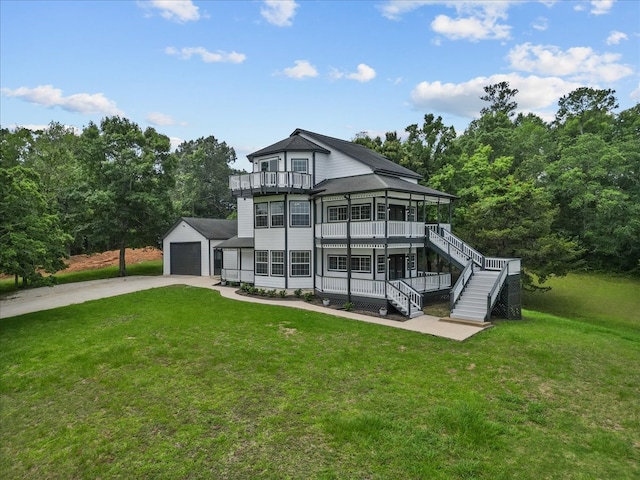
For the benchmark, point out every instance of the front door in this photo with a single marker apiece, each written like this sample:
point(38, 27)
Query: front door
point(397, 213)
point(396, 267)
point(217, 261)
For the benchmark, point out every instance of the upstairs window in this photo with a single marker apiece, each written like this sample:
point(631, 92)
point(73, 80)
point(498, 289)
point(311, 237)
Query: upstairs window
point(382, 211)
point(270, 165)
point(262, 215)
point(300, 214)
point(277, 214)
point(361, 212)
point(337, 214)
point(300, 165)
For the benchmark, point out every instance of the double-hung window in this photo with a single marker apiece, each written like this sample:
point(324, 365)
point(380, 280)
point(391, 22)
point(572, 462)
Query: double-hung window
point(411, 261)
point(277, 214)
point(300, 263)
point(361, 263)
point(262, 262)
point(262, 215)
point(381, 264)
point(277, 263)
point(338, 263)
point(382, 211)
point(300, 165)
point(337, 214)
point(300, 214)
point(361, 212)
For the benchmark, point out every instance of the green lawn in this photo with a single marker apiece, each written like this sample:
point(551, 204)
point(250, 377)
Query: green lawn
point(179, 383)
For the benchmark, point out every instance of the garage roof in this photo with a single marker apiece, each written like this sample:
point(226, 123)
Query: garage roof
point(210, 228)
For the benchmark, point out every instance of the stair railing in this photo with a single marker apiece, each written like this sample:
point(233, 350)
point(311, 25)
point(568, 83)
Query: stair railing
point(412, 296)
point(395, 295)
point(457, 289)
point(468, 252)
point(447, 247)
point(492, 296)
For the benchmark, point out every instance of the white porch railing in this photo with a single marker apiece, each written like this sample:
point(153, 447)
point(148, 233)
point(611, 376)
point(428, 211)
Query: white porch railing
point(359, 287)
point(404, 296)
point(235, 275)
point(430, 281)
point(258, 180)
point(374, 229)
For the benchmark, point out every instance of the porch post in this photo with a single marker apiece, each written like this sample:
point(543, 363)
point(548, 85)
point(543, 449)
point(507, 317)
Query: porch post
point(348, 197)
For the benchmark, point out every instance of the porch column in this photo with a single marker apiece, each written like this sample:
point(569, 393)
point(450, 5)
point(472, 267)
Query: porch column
point(348, 197)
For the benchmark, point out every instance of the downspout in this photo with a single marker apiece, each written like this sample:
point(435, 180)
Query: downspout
point(348, 197)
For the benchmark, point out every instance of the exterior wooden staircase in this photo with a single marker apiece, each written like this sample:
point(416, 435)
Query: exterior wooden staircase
point(478, 288)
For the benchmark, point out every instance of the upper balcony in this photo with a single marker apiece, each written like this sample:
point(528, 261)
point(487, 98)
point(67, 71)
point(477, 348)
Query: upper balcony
point(257, 183)
point(370, 230)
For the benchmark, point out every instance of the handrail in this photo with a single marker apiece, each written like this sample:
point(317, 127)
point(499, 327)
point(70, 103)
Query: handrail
point(469, 252)
point(492, 296)
point(456, 291)
point(445, 246)
point(394, 293)
point(415, 297)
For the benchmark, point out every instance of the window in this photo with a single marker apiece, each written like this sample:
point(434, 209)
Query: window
point(381, 264)
point(361, 263)
point(338, 263)
point(300, 165)
point(411, 214)
point(262, 212)
point(411, 261)
point(277, 263)
point(361, 212)
point(277, 214)
point(337, 214)
point(300, 214)
point(382, 211)
point(262, 262)
point(300, 263)
point(270, 165)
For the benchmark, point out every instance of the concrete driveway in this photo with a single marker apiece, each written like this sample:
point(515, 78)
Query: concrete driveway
point(45, 298)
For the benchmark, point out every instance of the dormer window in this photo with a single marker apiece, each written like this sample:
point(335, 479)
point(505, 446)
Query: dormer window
point(300, 165)
point(269, 165)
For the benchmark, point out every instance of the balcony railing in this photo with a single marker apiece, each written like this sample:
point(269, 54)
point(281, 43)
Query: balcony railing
point(378, 229)
point(269, 182)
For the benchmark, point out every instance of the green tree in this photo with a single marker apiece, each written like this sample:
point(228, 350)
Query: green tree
point(501, 98)
point(501, 215)
point(430, 146)
point(129, 175)
point(586, 110)
point(31, 239)
point(202, 178)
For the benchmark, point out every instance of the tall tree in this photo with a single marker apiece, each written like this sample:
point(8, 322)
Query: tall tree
point(202, 178)
point(31, 239)
point(586, 110)
point(501, 99)
point(429, 146)
point(129, 174)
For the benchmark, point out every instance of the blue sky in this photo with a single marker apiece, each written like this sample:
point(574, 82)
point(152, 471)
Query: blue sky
point(250, 72)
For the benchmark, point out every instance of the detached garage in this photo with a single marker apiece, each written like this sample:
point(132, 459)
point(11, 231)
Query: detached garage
point(189, 247)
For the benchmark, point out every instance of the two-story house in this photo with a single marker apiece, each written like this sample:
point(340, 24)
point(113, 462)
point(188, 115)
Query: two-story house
point(331, 216)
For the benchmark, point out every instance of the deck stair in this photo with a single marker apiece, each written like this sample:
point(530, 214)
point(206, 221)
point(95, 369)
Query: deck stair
point(404, 298)
point(472, 304)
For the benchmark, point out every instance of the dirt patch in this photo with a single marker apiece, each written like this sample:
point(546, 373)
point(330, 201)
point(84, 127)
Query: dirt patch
point(79, 263)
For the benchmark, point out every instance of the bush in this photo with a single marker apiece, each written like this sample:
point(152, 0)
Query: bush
point(283, 293)
point(348, 306)
point(308, 296)
point(298, 292)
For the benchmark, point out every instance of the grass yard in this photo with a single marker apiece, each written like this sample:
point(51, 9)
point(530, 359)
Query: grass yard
point(179, 383)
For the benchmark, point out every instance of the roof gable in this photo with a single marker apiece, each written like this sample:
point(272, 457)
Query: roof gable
point(377, 162)
point(210, 228)
point(291, 144)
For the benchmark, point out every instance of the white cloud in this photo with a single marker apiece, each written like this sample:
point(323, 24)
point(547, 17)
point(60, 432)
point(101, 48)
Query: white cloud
point(635, 95)
point(600, 7)
point(279, 12)
point(577, 63)
point(475, 20)
point(536, 94)
point(301, 70)
point(615, 37)
point(364, 74)
point(175, 143)
point(48, 96)
point(540, 23)
point(180, 11)
point(206, 56)
point(161, 119)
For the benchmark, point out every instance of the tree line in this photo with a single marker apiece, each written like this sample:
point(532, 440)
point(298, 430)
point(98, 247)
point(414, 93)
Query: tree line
point(112, 186)
point(562, 195)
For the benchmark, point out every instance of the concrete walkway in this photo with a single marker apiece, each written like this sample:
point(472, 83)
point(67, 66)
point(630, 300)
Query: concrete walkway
point(45, 298)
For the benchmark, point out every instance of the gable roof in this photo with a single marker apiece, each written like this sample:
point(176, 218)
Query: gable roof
point(210, 228)
point(291, 144)
point(372, 182)
point(377, 162)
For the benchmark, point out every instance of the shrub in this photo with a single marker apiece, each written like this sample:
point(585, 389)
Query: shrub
point(308, 296)
point(348, 306)
point(272, 293)
point(283, 293)
point(298, 292)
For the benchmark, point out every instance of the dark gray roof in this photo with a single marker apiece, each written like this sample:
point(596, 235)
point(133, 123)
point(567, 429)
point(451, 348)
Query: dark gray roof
point(235, 242)
point(372, 183)
point(210, 228)
point(291, 144)
point(377, 162)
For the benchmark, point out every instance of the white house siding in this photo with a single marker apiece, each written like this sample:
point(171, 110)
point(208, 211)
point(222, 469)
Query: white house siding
point(230, 259)
point(245, 217)
point(183, 233)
